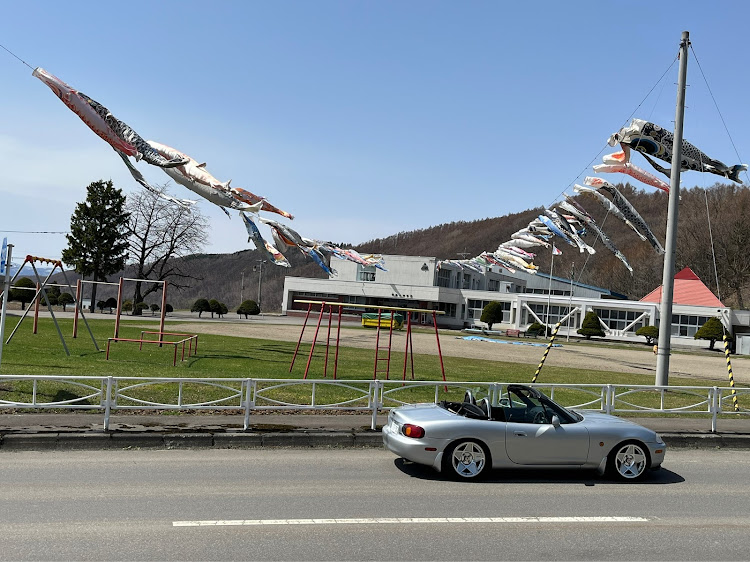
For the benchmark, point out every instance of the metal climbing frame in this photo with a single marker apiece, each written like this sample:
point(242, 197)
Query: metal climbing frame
point(382, 353)
point(41, 291)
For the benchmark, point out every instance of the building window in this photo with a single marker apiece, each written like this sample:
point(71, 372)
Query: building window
point(448, 307)
point(556, 313)
point(476, 307)
point(467, 281)
point(365, 272)
point(620, 319)
point(685, 325)
point(444, 278)
point(493, 285)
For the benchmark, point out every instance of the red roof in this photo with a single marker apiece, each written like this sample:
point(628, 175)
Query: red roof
point(688, 290)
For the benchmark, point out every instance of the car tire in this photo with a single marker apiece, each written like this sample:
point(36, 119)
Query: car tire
point(467, 459)
point(628, 461)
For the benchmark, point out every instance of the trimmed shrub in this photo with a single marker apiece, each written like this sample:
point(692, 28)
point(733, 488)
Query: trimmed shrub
point(492, 314)
point(591, 326)
point(712, 330)
point(651, 333)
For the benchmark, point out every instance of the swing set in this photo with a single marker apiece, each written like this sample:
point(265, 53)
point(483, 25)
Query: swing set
point(382, 351)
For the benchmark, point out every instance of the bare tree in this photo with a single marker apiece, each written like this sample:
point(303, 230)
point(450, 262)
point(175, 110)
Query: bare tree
point(160, 231)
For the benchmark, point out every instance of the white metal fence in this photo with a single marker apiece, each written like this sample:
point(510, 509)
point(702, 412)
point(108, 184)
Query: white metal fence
point(244, 396)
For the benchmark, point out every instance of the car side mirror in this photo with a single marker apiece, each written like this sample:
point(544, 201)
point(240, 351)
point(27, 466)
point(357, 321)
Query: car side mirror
point(556, 421)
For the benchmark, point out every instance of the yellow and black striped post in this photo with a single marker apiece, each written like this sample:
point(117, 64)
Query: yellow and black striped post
point(546, 351)
point(731, 376)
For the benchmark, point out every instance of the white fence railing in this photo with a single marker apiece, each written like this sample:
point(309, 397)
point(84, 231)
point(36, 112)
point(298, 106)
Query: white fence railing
point(368, 396)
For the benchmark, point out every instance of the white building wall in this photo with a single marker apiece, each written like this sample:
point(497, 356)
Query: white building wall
point(411, 281)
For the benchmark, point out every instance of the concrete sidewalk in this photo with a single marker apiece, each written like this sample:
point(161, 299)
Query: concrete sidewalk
point(85, 431)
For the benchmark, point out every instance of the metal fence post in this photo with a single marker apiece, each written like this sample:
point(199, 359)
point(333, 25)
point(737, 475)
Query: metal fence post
point(108, 404)
point(715, 406)
point(375, 390)
point(249, 385)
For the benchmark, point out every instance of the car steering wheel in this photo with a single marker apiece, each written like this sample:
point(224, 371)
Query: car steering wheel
point(540, 417)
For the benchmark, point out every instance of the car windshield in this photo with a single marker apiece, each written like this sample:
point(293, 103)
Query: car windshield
point(526, 406)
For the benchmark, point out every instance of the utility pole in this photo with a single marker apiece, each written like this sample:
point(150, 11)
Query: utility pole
point(667, 283)
point(260, 278)
point(6, 294)
point(570, 299)
point(242, 286)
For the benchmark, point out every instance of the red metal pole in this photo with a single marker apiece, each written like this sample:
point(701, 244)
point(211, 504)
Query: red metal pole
point(36, 307)
point(377, 348)
point(406, 349)
point(304, 325)
point(109, 341)
point(338, 336)
point(163, 308)
point(411, 354)
point(440, 353)
point(315, 339)
point(390, 340)
point(75, 312)
point(119, 308)
point(328, 340)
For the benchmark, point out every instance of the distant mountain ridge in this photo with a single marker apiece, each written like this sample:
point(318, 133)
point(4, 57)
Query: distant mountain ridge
point(220, 276)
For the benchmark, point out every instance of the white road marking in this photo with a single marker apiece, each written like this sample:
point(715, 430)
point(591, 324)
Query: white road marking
point(406, 520)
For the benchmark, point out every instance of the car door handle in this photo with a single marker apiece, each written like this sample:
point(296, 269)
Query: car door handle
point(520, 433)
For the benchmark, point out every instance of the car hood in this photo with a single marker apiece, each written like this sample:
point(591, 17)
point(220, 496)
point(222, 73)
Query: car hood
point(596, 417)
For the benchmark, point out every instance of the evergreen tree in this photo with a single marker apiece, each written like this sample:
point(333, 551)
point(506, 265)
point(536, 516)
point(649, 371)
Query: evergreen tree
point(200, 306)
point(97, 243)
point(214, 306)
point(65, 299)
point(492, 314)
point(22, 293)
point(712, 330)
point(248, 307)
point(651, 333)
point(591, 326)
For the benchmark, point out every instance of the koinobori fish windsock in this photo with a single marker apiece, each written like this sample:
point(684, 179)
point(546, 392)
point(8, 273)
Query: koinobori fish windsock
point(260, 243)
point(617, 163)
point(557, 230)
point(627, 209)
point(570, 231)
point(653, 140)
point(197, 179)
point(100, 120)
point(575, 209)
point(607, 204)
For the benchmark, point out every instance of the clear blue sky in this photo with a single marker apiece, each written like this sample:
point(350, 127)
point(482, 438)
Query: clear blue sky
point(361, 118)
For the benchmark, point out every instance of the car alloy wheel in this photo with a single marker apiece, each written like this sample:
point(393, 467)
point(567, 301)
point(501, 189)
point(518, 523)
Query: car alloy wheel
point(629, 461)
point(468, 459)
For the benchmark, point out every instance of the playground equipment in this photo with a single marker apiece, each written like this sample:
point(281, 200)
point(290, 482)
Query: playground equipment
point(382, 353)
point(41, 291)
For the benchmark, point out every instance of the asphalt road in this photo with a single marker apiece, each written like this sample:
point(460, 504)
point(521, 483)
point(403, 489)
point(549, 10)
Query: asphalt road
point(292, 504)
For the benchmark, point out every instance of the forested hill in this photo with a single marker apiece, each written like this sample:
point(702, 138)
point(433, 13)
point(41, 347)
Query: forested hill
point(220, 276)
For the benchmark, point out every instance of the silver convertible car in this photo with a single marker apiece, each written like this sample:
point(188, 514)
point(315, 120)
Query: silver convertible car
point(526, 430)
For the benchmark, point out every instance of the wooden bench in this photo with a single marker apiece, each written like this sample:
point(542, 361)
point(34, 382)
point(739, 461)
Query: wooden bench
point(515, 333)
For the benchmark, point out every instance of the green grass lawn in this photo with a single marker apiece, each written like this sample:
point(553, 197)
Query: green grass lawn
point(242, 358)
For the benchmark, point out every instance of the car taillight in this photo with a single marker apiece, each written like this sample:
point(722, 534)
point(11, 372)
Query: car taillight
point(411, 430)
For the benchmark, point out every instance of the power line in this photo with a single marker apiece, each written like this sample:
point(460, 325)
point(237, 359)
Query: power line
point(35, 232)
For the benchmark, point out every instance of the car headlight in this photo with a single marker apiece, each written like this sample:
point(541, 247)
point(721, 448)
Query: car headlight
point(658, 438)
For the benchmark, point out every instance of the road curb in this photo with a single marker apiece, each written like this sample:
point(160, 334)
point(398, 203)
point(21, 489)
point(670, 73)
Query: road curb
point(91, 441)
point(706, 441)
